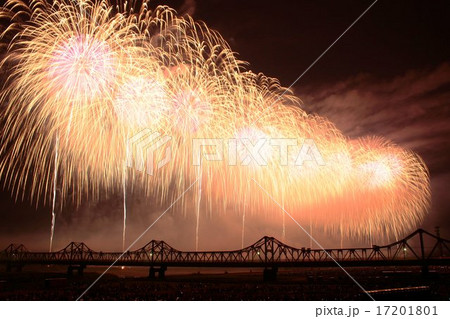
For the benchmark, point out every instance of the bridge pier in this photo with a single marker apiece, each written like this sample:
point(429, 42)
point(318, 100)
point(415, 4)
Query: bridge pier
point(11, 266)
point(270, 273)
point(78, 268)
point(160, 270)
point(424, 269)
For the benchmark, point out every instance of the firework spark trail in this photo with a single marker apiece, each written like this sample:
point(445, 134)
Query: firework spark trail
point(124, 193)
point(55, 181)
point(283, 233)
point(243, 228)
point(244, 210)
point(102, 73)
point(197, 220)
point(124, 229)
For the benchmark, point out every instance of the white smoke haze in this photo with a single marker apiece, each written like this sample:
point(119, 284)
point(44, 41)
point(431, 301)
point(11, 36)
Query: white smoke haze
point(188, 7)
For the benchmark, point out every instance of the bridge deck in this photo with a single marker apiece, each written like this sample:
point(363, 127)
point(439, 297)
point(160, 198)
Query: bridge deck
point(266, 252)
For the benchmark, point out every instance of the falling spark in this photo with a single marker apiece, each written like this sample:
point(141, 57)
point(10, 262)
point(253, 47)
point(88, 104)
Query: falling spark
point(124, 230)
point(197, 221)
point(55, 180)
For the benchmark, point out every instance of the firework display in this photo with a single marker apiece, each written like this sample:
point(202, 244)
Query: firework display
point(83, 79)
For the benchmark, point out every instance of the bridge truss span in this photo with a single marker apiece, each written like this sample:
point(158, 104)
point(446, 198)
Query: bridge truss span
point(419, 248)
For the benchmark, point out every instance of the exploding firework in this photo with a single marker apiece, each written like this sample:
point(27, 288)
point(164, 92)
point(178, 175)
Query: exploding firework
point(84, 79)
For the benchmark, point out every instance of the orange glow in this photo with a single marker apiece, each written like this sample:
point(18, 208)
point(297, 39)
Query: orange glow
point(91, 78)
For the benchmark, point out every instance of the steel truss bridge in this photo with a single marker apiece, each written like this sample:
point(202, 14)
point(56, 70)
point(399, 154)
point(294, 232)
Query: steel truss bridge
point(420, 248)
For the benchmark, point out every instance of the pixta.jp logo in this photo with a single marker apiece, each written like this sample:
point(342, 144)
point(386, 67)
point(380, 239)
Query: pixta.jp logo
point(148, 151)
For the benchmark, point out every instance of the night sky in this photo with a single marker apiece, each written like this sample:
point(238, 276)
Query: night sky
point(389, 76)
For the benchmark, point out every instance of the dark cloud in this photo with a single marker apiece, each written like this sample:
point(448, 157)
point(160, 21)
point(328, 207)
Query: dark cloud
point(412, 110)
